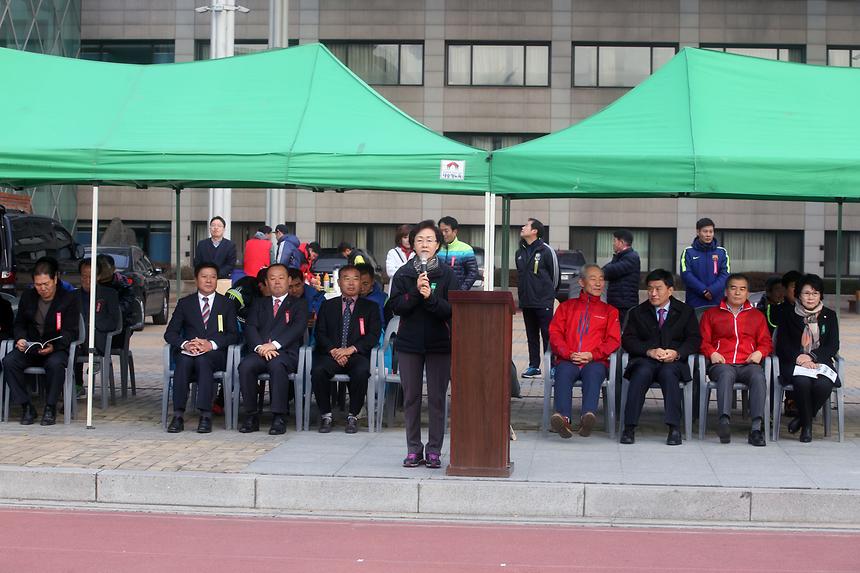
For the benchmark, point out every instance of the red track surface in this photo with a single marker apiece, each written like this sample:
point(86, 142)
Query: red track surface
point(67, 540)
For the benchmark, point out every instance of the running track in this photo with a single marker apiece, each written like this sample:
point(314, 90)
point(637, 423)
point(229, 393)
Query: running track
point(76, 540)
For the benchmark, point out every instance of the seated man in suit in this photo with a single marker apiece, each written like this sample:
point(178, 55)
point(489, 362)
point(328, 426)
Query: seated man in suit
point(347, 329)
point(201, 329)
point(659, 336)
point(107, 312)
point(735, 340)
point(274, 332)
point(50, 316)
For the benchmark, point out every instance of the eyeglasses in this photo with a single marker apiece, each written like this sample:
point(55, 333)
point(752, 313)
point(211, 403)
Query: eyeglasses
point(809, 293)
point(423, 241)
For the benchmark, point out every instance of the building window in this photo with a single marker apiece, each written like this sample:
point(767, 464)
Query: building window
point(843, 57)
point(491, 141)
point(203, 49)
point(656, 247)
point(153, 237)
point(763, 251)
point(850, 253)
point(781, 53)
point(129, 52)
point(384, 64)
point(618, 66)
point(498, 64)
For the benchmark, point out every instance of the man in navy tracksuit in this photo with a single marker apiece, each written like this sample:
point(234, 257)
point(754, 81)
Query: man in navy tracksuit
point(538, 278)
point(705, 267)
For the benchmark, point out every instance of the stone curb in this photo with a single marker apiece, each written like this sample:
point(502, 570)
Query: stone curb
point(461, 497)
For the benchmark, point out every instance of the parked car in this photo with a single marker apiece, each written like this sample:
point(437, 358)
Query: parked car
point(24, 238)
point(150, 285)
point(331, 259)
point(569, 263)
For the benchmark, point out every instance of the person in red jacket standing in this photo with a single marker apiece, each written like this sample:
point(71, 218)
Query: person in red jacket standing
point(258, 251)
point(582, 335)
point(736, 340)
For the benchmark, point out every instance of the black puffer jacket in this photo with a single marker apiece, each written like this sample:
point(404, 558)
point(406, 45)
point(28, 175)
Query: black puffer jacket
point(425, 324)
point(537, 275)
point(622, 272)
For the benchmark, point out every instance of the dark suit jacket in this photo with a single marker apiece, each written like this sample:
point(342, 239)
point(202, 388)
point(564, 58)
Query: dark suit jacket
point(65, 306)
point(288, 328)
point(107, 312)
point(224, 256)
point(187, 322)
point(7, 319)
point(680, 332)
point(329, 327)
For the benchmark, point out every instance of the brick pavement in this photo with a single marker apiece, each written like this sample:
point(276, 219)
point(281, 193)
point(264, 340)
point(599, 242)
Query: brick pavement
point(128, 435)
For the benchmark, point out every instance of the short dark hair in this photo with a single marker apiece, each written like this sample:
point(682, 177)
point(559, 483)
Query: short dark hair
point(772, 282)
point(791, 277)
point(106, 259)
point(538, 226)
point(293, 274)
point(737, 277)
point(426, 224)
point(365, 269)
point(705, 222)
point(812, 280)
point(348, 268)
point(315, 247)
point(661, 275)
point(261, 274)
point(265, 229)
point(624, 235)
point(85, 263)
point(402, 231)
point(46, 266)
point(270, 267)
point(450, 221)
point(344, 245)
point(218, 218)
point(205, 265)
point(281, 229)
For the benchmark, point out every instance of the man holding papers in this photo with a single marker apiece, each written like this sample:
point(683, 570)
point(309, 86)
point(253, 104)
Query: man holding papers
point(203, 325)
point(807, 341)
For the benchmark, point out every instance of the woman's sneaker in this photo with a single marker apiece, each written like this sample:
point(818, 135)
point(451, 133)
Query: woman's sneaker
point(413, 460)
point(434, 461)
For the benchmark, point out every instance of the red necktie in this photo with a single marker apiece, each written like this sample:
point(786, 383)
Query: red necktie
point(276, 306)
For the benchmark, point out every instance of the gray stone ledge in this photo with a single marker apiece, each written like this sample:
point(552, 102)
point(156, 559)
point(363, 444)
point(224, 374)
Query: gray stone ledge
point(806, 506)
point(384, 495)
point(53, 484)
point(176, 488)
point(667, 502)
point(502, 498)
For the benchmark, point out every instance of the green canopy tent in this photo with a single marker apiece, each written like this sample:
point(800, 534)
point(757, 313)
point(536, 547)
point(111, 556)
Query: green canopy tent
point(707, 124)
point(283, 118)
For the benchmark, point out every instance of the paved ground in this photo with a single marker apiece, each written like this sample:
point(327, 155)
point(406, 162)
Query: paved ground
point(111, 541)
point(128, 436)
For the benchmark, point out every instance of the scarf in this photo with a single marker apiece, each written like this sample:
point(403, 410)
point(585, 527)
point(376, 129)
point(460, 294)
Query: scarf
point(432, 264)
point(406, 253)
point(810, 339)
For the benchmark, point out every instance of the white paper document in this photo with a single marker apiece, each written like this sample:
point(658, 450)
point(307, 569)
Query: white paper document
point(815, 372)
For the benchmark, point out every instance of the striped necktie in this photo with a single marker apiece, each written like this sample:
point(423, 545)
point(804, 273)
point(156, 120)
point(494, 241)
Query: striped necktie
point(276, 306)
point(661, 318)
point(205, 311)
point(347, 316)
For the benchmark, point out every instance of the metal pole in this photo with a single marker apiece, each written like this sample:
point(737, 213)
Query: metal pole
point(506, 242)
point(177, 260)
point(92, 314)
point(838, 257)
point(276, 199)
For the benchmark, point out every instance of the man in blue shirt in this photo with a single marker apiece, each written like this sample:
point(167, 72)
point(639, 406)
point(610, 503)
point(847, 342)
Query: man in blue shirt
point(705, 266)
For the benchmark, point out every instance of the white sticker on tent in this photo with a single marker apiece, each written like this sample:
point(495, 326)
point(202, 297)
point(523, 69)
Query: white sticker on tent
point(451, 170)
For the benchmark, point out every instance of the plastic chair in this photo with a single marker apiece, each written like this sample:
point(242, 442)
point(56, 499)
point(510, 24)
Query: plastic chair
point(5, 347)
point(68, 382)
point(608, 387)
point(105, 366)
point(126, 360)
point(840, 401)
point(224, 376)
point(706, 385)
point(687, 387)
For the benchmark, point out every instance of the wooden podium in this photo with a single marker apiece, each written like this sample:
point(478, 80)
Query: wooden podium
point(480, 383)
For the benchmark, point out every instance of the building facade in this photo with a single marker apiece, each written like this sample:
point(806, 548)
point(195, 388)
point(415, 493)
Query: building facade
point(494, 73)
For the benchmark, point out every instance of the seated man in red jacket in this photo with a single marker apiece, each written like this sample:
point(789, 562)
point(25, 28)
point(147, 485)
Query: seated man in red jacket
point(582, 335)
point(735, 340)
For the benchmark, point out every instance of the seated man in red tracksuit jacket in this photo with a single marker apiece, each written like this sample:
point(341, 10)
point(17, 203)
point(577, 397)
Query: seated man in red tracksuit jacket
point(735, 340)
point(582, 335)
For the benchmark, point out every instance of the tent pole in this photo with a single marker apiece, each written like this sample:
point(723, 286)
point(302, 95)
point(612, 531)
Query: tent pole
point(506, 242)
point(487, 230)
point(838, 257)
point(91, 327)
point(176, 249)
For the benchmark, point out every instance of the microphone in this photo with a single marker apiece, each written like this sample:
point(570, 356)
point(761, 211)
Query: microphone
point(423, 264)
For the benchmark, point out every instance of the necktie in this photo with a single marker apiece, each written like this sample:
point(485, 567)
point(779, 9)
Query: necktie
point(205, 311)
point(347, 316)
point(276, 306)
point(661, 317)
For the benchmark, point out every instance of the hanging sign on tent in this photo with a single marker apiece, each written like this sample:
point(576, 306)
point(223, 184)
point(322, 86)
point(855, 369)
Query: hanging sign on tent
point(451, 170)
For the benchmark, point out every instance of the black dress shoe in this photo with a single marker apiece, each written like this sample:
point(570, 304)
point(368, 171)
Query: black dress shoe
point(628, 436)
point(806, 434)
point(279, 426)
point(250, 424)
point(794, 426)
point(756, 438)
point(28, 414)
point(325, 425)
point(351, 425)
point(674, 437)
point(204, 426)
point(724, 431)
point(177, 424)
point(49, 418)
